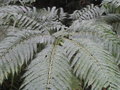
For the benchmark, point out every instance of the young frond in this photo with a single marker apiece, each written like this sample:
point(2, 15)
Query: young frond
point(49, 71)
point(17, 49)
point(92, 64)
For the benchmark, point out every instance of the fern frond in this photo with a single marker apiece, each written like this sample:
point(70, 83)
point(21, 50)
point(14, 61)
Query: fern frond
point(44, 23)
point(52, 18)
point(3, 32)
point(111, 6)
point(17, 9)
point(114, 20)
point(22, 21)
point(101, 33)
point(111, 18)
point(92, 64)
point(17, 49)
point(89, 12)
point(52, 14)
point(14, 1)
point(50, 70)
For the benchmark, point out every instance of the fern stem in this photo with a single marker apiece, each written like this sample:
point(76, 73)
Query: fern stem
point(50, 68)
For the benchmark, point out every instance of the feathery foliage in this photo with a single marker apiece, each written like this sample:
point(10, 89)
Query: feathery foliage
point(37, 43)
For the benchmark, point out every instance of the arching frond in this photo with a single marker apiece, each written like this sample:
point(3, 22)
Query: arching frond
point(50, 70)
point(5, 30)
point(92, 64)
point(17, 49)
point(31, 12)
point(47, 21)
point(17, 9)
point(52, 18)
point(113, 20)
point(89, 12)
point(101, 33)
point(53, 50)
point(21, 21)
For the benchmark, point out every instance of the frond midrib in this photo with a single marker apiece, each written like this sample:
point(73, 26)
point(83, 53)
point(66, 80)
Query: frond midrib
point(107, 72)
point(87, 52)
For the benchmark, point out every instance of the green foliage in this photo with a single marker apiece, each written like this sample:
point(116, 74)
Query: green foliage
point(59, 57)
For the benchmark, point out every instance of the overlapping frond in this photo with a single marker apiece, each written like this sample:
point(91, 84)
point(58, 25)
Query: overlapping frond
point(114, 21)
point(112, 9)
point(21, 21)
point(89, 12)
point(17, 49)
point(49, 71)
point(24, 17)
point(92, 64)
point(52, 18)
point(17, 9)
point(52, 14)
point(14, 1)
point(111, 18)
point(101, 33)
point(3, 32)
point(111, 6)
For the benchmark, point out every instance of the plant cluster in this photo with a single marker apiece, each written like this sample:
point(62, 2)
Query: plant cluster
point(37, 47)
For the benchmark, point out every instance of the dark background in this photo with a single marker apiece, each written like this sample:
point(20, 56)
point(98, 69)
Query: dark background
point(68, 5)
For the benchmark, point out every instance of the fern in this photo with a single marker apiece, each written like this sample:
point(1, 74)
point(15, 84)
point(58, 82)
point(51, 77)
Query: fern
point(87, 13)
point(92, 64)
point(54, 71)
point(111, 6)
point(17, 49)
point(18, 18)
point(113, 19)
point(18, 9)
point(14, 1)
point(54, 56)
point(100, 33)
